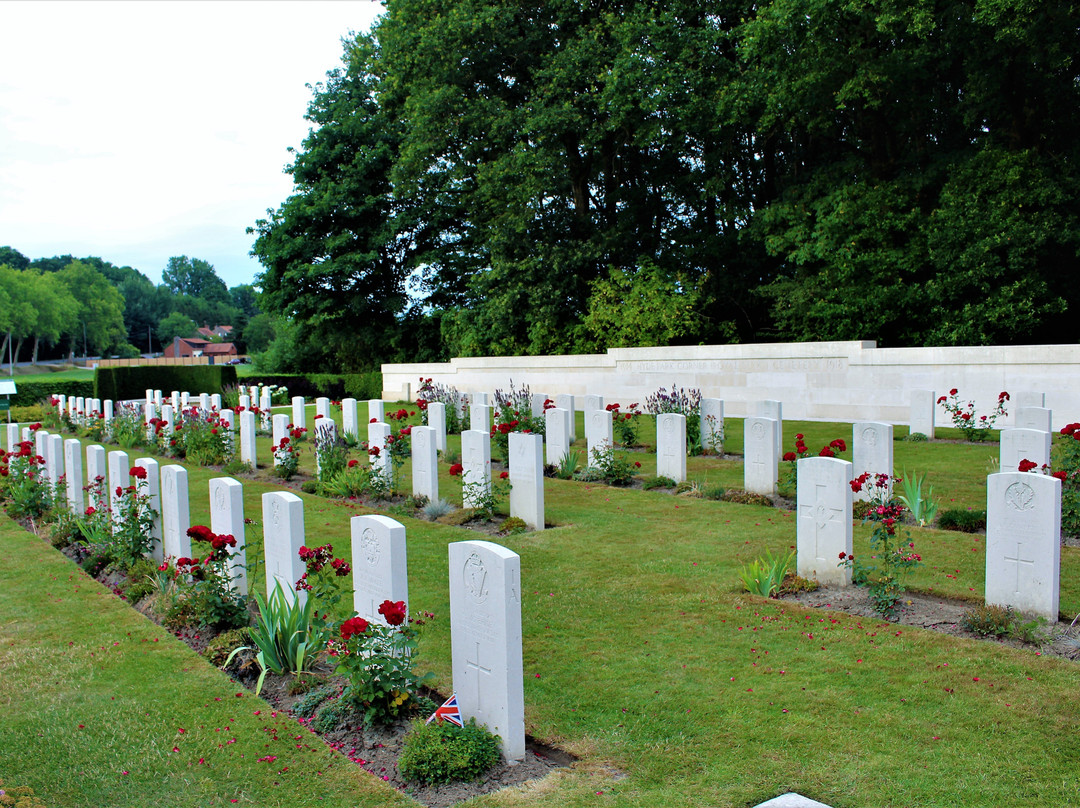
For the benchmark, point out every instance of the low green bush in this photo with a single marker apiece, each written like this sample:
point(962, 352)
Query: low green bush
point(132, 382)
point(988, 621)
point(443, 753)
point(963, 520)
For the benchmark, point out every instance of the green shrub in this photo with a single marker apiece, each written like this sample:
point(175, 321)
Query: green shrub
point(916, 437)
point(658, 482)
point(330, 715)
point(714, 491)
point(306, 706)
point(740, 497)
point(32, 393)
point(962, 520)
point(793, 584)
point(443, 753)
point(133, 382)
point(988, 621)
point(763, 576)
point(512, 526)
point(140, 580)
point(219, 649)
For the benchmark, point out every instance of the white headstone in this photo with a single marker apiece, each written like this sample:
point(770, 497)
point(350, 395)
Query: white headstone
point(565, 401)
point(281, 430)
point(41, 437)
point(350, 425)
point(1023, 444)
point(119, 479)
point(227, 517)
point(380, 566)
point(299, 412)
point(475, 465)
point(151, 487)
point(1034, 418)
point(590, 403)
point(247, 437)
point(1028, 399)
point(712, 423)
point(158, 398)
point(175, 512)
point(54, 460)
point(1023, 542)
point(109, 410)
point(599, 432)
point(283, 536)
point(436, 418)
point(73, 466)
point(381, 462)
point(376, 410)
point(265, 408)
point(185, 400)
point(14, 437)
point(671, 446)
point(228, 421)
point(215, 401)
point(871, 451)
point(759, 455)
point(771, 408)
point(174, 397)
point(823, 526)
point(557, 434)
point(527, 478)
point(97, 476)
point(169, 417)
point(425, 478)
point(244, 401)
point(480, 417)
point(485, 631)
point(536, 404)
point(322, 407)
point(477, 398)
point(204, 402)
point(923, 412)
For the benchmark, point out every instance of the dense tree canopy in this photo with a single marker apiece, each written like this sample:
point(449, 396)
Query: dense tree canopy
point(497, 177)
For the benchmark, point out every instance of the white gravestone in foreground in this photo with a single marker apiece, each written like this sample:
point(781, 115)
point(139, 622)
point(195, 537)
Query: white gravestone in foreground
point(712, 423)
point(923, 413)
point(485, 630)
point(871, 451)
point(527, 478)
point(436, 418)
point(557, 433)
point(14, 437)
point(283, 536)
point(227, 518)
point(599, 433)
point(759, 456)
point(151, 486)
point(671, 446)
point(350, 424)
point(175, 512)
point(475, 466)
point(1034, 418)
point(1023, 444)
point(565, 401)
point(823, 522)
point(73, 474)
point(425, 478)
point(380, 566)
point(771, 408)
point(1023, 542)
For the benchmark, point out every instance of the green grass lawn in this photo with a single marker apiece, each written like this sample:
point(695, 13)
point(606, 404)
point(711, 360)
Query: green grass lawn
point(641, 656)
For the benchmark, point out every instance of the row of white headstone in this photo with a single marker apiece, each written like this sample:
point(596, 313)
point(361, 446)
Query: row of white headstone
point(1023, 533)
point(485, 590)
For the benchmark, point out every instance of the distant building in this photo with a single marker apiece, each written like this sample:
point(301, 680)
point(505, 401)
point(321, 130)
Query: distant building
point(192, 346)
point(219, 331)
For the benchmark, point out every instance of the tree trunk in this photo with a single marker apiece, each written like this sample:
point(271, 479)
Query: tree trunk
point(3, 351)
point(33, 358)
point(18, 348)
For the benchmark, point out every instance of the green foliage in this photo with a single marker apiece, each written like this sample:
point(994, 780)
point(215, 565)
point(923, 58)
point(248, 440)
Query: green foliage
point(923, 508)
point(444, 753)
point(613, 469)
point(741, 497)
point(764, 576)
point(176, 324)
point(331, 714)
point(658, 482)
point(433, 510)
point(219, 650)
point(973, 426)
point(306, 706)
point(1066, 461)
point(988, 620)
point(132, 382)
point(30, 393)
point(916, 437)
point(568, 465)
point(513, 526)
point(962, 519)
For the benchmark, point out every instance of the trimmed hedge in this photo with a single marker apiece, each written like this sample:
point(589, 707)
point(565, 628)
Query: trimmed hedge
point(31, 392)
point(133, 382)
point(361, 386)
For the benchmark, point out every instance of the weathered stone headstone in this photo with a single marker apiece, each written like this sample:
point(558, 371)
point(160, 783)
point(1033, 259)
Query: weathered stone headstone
point(247, 437)
point(712, 424)
point(923, 413)
point(485, 632)
point(175, 512)
point(1039, 418)
point(565, 401)
point(475, 466)
point(436, 418)
point(376, 409)
point(599, 432)
point(281, 430)
point(227, 517)
point(283, 536)
point(557, 433)
point(119, 479)
point(823, 525)
point(382, 462)
point(872, 451)
point(759, 456)
point(671, 446)
point(73, 468)
point(299, 412)
point(1023, 542)
point(425, 479)
point(480, 417)
point(151, 487)
point(1023, 444)
point(350, 424)
point(97, 476)
point(771, 408)
point(380, 566)
point(527, 478)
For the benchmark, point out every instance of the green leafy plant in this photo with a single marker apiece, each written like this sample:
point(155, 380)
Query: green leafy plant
point(658, 482)
point(987, 620)
point(685, 402)
point(286, 459)
point(788, 486)
point(916, 437)
point(612, 468)
point(624, 424)
point(357, 480)
point(974, 427)
point(443, 752)
point(568, 465)
point(714, 443)
point(764, 576)
point(923, 508)
point(206, 595)
point(481, 495)
point(513, 526)
point(964, 520)
point(331, 451)
point(1067, 465)
point(23, 483)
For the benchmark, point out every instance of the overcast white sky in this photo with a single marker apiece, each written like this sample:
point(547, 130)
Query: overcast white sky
point(136, 131)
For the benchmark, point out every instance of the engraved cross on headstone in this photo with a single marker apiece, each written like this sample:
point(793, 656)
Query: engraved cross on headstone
point(821, 515)
point(479, 670)
point(1017, 560)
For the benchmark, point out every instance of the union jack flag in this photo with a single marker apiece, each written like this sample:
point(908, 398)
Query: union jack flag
point(448, 712)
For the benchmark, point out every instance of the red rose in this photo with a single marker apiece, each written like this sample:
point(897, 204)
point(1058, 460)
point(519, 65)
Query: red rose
point(1061, 475)
point(393, 612)
point(839, 445)
point(790, 456)
point(826, 452)
point(1003, 396)
point(352, 626)
point(119, 490)
point(455, 470)
point(952, 392)
point(353, 463)
point(138, 472)
point(1027, 465)
point(373, 451)
point(374, 421)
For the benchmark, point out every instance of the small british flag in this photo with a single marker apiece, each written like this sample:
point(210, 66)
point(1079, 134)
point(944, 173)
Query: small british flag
point(448, 712)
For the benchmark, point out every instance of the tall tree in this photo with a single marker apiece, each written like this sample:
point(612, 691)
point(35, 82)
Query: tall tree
point(194, 277)
point(23, 313)
point(57, 309)
point(100, 308)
